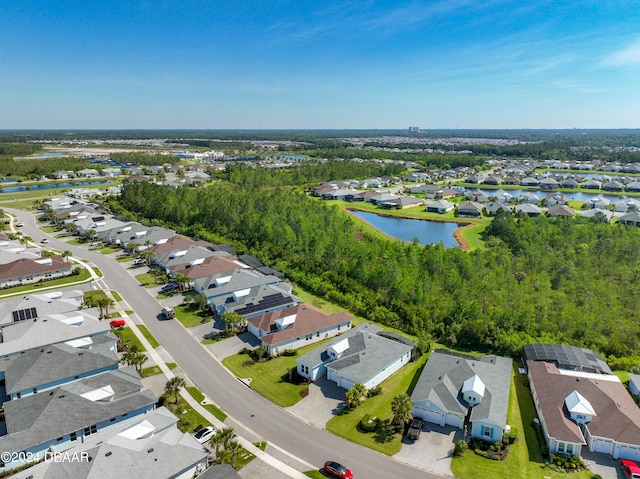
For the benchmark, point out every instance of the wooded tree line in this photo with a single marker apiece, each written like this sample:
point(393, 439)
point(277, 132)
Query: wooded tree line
point(569, 281)
point(244, 174)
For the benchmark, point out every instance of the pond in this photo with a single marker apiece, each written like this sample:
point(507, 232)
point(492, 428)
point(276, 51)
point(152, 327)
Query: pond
point(405, 229)
point(48, 186)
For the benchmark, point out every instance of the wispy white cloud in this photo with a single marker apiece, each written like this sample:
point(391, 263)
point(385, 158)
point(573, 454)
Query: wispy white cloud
point(626, 56)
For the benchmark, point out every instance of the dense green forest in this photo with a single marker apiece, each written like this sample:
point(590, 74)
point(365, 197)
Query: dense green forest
point(36, 167)
point(571, 281)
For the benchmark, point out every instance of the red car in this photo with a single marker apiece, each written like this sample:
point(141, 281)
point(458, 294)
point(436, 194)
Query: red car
point(337, 470)
point(630, 469)
point(117, 323)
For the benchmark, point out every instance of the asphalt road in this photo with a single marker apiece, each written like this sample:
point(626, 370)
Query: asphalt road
point(241, 403)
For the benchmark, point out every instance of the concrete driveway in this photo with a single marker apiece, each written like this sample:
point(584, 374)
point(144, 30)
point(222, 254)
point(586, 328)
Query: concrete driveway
point(433, 451)
point(325, 400)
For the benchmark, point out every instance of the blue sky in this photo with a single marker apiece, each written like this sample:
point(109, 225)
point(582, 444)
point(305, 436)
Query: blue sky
point(309, 64)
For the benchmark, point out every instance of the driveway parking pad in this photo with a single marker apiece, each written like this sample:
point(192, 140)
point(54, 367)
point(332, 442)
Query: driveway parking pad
point(434, 449)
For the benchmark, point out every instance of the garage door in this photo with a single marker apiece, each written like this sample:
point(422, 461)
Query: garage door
point(605, 447)
point(345, 383)
point(453, 420)
point(629, 452)
point(428, 415)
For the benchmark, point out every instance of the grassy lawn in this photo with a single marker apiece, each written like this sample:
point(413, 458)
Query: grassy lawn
point(109, 249)
point(116, 296)
point(525, 458)
point(189, 420)
point(269, 378)
point(145, 332)
point(96, 295)
point(383, 440)
point(129, 338)
point(36, 287)
point(148, 280)
point(151, 371)
point(77, 242)
point(212, 408)
point(315, 474)
point(191, 316)
point(124, 258)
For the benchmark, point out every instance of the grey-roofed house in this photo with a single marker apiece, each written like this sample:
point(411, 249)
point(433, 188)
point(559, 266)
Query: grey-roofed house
point(40, 370)
point(634, 186)
point(528, 209)
point(528, 197)
point(189, 255)
point(296, 326)
point(591, 185)
point(360, 355)
point(147, 447)
point(580, 409)
point(596, 213)
point(632, 218)
point(454, 386)
point(548, 184)
point(63, 417)
point(612, 186)
point(259, 300)
point(529, 181)
point(219, 471)
point(494, 206)
point(569, 183)
point(470, 208)
point(560, 210)
point(227, 287)
point(338, 194)
point(402, 202)
point(34, 321)
point(440, 206)
point(432, 191)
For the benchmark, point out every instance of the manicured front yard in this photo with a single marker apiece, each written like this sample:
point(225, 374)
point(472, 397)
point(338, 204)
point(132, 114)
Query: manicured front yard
point(129, 339)
point(525, 457)
point(269, 378)
point(34, 287)
point(382, 440)
point(190, 316)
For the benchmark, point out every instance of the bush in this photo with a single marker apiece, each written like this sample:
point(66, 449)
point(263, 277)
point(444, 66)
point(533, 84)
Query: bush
point(510, 437)
point(244, 350)
point(368, 423)
point(290, 352)
point(460, 448)
point(374, 391)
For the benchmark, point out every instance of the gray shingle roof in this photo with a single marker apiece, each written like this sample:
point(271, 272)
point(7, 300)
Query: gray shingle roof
point(39, 418)
point(367, 354)
point(50, 364)
point(443, 376)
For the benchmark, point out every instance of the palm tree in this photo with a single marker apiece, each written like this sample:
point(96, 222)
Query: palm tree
point(157, 273)
point(356, 394)
point(223, 441)
point(173, 386)
point(183, 281)
point(231, 318)
point(146, 255)
point(135, 359)
point(233, 449)
point(65, 254)
point(401, 407)
point(104, 304)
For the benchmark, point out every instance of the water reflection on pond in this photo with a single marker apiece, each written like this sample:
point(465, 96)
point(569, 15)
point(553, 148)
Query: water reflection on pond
point(406, 229)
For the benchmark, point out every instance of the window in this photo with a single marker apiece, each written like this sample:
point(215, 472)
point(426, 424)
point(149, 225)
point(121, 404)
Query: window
point(309, 336)
point(560, 447)
point(73, 436)
point(487, 431)
point(317, 334)
point(35, 390)
point(570, 449)
point(18, 395)
point(90, 430)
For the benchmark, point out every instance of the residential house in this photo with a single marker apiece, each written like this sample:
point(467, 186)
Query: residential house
point(112, 171)
point(258, 300)
point(569, 183)
point(59, 419)
point(632, 218)
point(529, 181)
point(190, 255)
point(633, 187)
point(528, 209)
point(296, 326)
point(144, 447)
point(87, 173)
point(470, 208)
point(402, 202)
point(338, 194)
point(560, 210)
point(548, 184)
point(528, 197)
point(360, 355)
point(229, 287)
point(84, 193)
point(176, 243)
point(450, 193)
point(580, 403)
point(453, 387)
point(604, 215)
point(37, 320)
point(553, 199)
point(440, 206)
point(431, 191)
point(591, 185)
point(477, 196)
point(598, 203)
point(63, 174)
point(382, 197)
point(612, 186)
point(201, 268)
point(39, 370)
point(220, 471)
point(474, 179)
point(492, 180)
point(27, 270)
point(494, 206)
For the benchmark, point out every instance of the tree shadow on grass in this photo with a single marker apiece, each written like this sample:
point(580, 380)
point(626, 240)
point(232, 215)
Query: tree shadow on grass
point(385, 431)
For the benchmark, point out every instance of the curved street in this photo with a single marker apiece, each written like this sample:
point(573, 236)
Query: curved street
point(242, 404)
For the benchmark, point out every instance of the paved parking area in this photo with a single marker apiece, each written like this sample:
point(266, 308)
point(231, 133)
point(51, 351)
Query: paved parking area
point(433, 451)
point(230, 346)
point(325, 399)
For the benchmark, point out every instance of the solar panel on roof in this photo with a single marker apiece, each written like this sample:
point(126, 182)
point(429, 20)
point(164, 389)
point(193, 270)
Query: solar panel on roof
point(267, 302)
